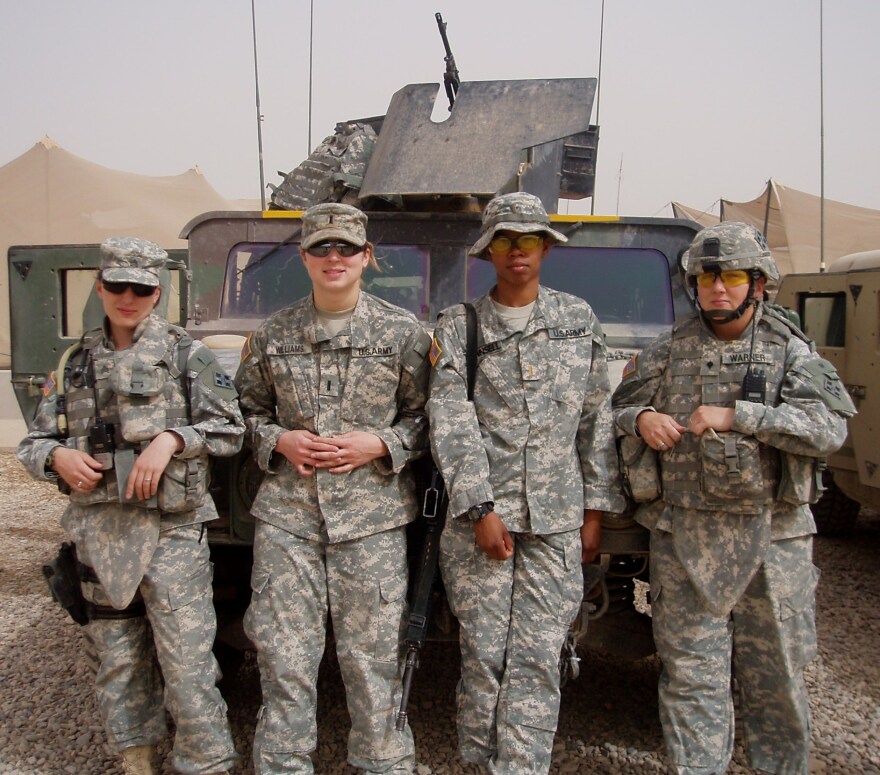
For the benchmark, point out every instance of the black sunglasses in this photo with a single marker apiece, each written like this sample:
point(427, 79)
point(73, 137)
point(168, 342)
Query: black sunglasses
point(137, 288)
point(344, 249)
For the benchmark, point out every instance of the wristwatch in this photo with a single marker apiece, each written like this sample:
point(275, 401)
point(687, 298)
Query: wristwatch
point(50, 473)
point(476, 513)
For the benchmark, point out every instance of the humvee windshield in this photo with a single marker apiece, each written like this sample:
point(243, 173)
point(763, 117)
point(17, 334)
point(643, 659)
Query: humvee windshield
point(622, 285)
point(262, 278)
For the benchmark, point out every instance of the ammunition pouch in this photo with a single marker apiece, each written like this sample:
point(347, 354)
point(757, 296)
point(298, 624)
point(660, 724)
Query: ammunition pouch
point(800, 479)
point(639, 469)
point(732, 470)
point(64, 574)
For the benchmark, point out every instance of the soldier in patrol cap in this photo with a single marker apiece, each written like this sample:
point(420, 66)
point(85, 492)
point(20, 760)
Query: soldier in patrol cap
point(333, 391)
point(732, 412)
point(125, 426)
point(530, 465)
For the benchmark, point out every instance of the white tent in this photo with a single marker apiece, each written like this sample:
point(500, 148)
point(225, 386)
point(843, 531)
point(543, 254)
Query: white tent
point(49, 196)
point(790, 220)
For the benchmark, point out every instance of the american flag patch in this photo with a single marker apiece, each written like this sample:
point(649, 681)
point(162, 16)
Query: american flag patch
point(631, 365)
point(49, 384)
point(246, 351)
point(434, 353)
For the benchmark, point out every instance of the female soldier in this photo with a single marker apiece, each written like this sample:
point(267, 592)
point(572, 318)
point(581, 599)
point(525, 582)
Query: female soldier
point(128, 429)
point(333, 391)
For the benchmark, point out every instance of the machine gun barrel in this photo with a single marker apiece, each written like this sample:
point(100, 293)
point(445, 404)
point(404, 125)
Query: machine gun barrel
point(451, 79)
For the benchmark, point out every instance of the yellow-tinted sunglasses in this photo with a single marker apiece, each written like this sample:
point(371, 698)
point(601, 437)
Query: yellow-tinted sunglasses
point(503, 245)
point(730, 278)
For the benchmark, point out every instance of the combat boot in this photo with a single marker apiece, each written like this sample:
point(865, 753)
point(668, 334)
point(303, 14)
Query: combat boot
point(138, 760)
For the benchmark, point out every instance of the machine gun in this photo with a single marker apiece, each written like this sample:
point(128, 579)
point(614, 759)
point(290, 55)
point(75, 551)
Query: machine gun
point(451, 79)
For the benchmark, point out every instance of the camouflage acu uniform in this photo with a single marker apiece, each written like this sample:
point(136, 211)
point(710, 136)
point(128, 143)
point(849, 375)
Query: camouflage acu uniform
point(158, 554)
point(333, 541)
point(537, 441)
point(732, 579)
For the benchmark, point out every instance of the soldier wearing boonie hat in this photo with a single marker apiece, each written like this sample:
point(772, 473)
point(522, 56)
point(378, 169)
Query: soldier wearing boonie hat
point(520, 212)
point(333, 221)
point(132, 260)
point(529, 464)
point(126, 428)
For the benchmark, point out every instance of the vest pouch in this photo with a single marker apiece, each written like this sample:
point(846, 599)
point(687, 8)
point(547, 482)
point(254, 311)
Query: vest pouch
point(800, 479)
point(184, 485)
point(731, 467)
point(638, 468)
point(139, 387)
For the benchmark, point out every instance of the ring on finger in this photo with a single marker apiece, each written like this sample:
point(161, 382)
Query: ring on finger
point(662, 445)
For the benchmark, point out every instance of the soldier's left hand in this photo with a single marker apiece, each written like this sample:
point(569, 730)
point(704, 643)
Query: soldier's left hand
point(143, 481)
point(355, 448)
point(719, 418)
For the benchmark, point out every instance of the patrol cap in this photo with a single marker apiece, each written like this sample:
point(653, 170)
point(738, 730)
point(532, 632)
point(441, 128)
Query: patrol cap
point(520, 212)
point(131, 260)
point(333, 221)
point(730, 245)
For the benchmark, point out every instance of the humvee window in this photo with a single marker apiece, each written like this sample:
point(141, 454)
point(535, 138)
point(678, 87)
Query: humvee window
point(264, 278)
point(824, 318)
point(622, 285)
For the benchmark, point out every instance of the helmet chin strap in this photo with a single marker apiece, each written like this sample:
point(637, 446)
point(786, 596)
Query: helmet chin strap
point(727, 315)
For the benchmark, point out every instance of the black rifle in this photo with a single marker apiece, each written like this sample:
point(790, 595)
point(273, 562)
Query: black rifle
point(434, 507)
point(434, 517)
point(451, 80)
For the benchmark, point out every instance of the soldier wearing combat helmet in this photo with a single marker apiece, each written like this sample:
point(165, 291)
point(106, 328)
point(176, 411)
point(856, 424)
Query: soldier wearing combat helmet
point(125, 426)
point(722, 423)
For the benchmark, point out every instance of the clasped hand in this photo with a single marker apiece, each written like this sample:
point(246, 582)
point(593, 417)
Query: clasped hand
point(338, 454)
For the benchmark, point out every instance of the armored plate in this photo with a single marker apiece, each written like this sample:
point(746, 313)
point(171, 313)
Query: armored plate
point(478, 149)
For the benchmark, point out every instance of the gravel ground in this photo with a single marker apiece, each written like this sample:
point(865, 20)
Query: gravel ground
point(49, 722)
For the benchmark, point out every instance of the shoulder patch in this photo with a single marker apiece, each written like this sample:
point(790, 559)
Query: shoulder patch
point(435, 352)
point(632, 366)
point(246, 350)
point(49, 384)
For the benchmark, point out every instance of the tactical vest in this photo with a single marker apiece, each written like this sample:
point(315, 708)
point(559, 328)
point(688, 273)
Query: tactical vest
point(140, 391)
point(723, 470)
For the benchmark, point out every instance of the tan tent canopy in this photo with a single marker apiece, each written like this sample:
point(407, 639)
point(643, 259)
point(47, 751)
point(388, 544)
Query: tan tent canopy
point(49, 196)
point(790, 220)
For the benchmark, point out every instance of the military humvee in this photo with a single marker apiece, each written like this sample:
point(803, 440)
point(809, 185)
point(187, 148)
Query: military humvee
point(424, 213)
point(838, 310)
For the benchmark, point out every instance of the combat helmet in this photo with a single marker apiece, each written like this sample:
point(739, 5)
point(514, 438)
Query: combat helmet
point(724, 247)
point(730, 245)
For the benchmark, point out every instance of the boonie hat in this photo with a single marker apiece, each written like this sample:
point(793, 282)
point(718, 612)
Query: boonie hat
point(131, 260)
point(520, 212)
point(333, 221)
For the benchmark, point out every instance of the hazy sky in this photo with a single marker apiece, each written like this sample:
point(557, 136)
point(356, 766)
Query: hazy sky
point(700, 99)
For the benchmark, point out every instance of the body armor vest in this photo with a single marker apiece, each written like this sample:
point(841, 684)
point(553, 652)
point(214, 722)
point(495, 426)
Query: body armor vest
point(718, 471)
point(136, 393)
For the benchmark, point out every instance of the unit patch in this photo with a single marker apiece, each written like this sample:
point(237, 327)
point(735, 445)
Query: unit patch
point(223, 380)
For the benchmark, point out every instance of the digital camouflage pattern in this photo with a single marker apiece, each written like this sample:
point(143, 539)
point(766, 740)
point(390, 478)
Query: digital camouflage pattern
point(731, 245)
point(537, 441)
point(333, 540)
point(135, 549)
point(520, 212)
point(132, 260)
point(331, 221)
point(731, 564)
point(371, 376)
